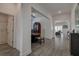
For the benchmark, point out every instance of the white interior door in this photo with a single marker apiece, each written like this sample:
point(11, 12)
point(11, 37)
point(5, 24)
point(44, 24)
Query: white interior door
point(3, 28)
point(10, 29)
point(3, 33)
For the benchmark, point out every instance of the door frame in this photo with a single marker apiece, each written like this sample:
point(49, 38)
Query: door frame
point(13, 41)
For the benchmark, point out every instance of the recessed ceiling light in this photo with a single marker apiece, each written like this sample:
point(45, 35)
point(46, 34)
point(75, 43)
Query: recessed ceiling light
point(59, 12)
point(33, 14)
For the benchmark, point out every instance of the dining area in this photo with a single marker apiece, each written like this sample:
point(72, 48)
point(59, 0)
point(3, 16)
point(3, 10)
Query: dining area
point(36, 33)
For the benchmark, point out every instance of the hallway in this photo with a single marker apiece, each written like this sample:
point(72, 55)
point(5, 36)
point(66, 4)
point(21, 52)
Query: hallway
point(50, 49)
point(48, 15)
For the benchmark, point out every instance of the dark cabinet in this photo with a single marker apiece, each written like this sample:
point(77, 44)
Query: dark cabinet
point(74, 44)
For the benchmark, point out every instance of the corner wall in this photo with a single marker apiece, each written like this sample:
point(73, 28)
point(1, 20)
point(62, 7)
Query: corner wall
point(23, 29)
point(26, 19)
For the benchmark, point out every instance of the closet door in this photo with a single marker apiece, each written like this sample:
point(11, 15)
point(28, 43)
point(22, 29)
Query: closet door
point(75, 44)
point(3, 29)
point(3, 33)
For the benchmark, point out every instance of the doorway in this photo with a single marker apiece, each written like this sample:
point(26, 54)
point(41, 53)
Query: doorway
point(7, 36)
point(44, 27)
point(6, 29)
point(38, 30)
point(35, 30)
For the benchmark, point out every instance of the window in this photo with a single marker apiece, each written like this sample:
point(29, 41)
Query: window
point(58, 28)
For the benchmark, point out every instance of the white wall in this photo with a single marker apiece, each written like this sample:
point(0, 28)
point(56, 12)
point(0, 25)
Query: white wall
point(23, 29)
point(26, 17)
point(48, 31)
point(17, 28)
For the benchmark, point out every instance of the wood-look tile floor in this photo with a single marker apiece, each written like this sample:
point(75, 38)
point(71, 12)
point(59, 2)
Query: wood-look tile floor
point(6, 50)
point(50, 49)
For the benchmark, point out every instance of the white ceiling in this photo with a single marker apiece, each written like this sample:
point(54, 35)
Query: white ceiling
point(53, 8)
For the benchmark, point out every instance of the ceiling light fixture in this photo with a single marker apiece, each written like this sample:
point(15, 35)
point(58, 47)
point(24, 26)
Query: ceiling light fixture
point(33, 14)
